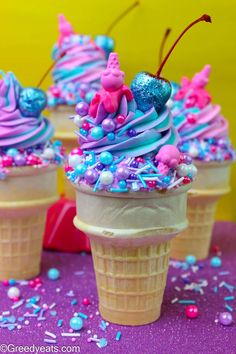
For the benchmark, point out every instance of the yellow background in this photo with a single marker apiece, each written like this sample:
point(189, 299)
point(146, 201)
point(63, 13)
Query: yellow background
point(29, 28)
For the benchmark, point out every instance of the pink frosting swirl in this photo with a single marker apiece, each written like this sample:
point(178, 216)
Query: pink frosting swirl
point(194, 114)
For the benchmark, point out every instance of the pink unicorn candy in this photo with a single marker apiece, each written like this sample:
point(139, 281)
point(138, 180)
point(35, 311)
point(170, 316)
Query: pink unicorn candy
point(112, 81)
point(65, 29)
point(168, 157)
point(194, 90)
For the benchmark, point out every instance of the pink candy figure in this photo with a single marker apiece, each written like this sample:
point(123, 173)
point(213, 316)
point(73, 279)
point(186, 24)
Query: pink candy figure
point(65, 29)
point(112, 81)
point(168, 157)
point(194, 90)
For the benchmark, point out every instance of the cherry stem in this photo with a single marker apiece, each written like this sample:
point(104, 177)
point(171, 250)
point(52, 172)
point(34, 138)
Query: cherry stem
point(164, 38)
point(120, 17)
point(205, 18)
point(49, 69)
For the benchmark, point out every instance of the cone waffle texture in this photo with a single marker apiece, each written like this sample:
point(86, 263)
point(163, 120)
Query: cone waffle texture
point(130, 237)
point(21, 245)
point(64, 131)
point(212, 182)
point(130, 281)
point(25, 196)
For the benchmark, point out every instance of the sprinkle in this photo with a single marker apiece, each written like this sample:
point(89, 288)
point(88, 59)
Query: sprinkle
point(50, 334)
point(229, 287)
point(221, 284)
point(6, 325)
point(228, 307)
point(97, 184)
point(187, 302)
point(74, 302)
point(18, 304)
point(46, 340)
point(118, 335)
point(154, 167)
point(224, 273)
point(70, 334)
point(30, 315)
point(70, 293)
point(142, 181)
point(174, 300)
point(177, 288)
point(52, 306)
point(5, 313)
point(118, 190)
point(215, 289)
point(228, 298)
point(146, 167)
point(175, 183)
point(37, 310)
point(59, 323)
point(82, 315)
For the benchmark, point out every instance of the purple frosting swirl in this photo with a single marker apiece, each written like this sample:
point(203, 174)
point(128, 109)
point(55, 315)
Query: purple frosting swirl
point(16, 130)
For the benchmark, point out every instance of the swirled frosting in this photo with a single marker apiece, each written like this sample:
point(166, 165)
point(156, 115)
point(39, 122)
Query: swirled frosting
point(123, 148)
point(79, 63)
point(16, 130)
point(140, 133)
point(203, 130)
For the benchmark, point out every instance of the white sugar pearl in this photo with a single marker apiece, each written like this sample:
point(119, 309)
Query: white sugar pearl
point(13, 292)
point(106, 178)
point(183, 170)
point(78, 121)
point(192, 170)
point(193, 151)
point(48, 153)
point(75, 160)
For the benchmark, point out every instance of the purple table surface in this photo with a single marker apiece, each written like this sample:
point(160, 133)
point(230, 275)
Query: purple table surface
point(173, 333)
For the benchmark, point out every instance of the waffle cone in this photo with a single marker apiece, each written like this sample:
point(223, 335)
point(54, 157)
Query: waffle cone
point(202, 203)
point(64, 131)
point(25, 196)
point(130, 239)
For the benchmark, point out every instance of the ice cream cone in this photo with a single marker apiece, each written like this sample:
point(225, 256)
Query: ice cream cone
point(211, 184)
point(25, 196)
point(64, 131)
point(130, 236)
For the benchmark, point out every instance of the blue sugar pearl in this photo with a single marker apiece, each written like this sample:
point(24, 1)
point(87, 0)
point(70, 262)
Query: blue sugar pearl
point(97, 133)
point(100, 166)
point(133, 176)
point(191, 259)
point(131, 133)
point(166, 179)
point(215, 262)
point(134, 164)
point(122, 184)
point(83, 132)
point(53, 274)
point(12, 282)
point(80, 169)
point(12, 152)
point(113, 168)
point(111, 136)
point(76, 323)
point(106, 158)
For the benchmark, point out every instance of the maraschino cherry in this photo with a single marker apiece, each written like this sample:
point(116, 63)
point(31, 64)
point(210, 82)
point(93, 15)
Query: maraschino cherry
point(153, 90)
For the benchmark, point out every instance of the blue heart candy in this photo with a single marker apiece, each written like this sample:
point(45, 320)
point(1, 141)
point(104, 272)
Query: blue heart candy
point(149, 91)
